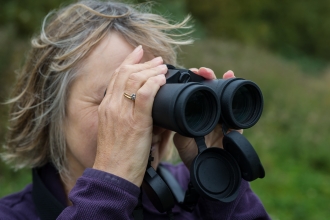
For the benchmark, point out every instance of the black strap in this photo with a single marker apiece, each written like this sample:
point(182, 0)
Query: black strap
point(190, 199)
point(186, 200)
point(48, 207)
point(171, 182)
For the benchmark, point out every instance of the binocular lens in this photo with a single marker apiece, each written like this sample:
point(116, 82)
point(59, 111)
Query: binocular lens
point(195, 110)
point(241, 104)
point(199, 110)
point(244, 104)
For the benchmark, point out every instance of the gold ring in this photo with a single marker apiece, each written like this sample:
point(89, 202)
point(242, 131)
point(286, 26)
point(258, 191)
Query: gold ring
point(131, 97)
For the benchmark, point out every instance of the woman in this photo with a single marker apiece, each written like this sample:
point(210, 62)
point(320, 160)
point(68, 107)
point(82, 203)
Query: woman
point(75, 120)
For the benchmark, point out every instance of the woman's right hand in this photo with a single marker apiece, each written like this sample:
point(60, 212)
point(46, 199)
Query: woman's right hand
point(125, 126)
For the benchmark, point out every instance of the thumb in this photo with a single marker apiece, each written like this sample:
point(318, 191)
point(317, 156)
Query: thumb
point(182, 142)
point(186, 147)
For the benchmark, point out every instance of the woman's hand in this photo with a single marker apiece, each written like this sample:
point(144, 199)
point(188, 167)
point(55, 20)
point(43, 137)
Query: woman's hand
point(186, 146)
point(125, 126)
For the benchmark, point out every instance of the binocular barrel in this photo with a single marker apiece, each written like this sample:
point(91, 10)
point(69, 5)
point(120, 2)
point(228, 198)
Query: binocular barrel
point(192, 106)
point(190, 109)
point(241, 101)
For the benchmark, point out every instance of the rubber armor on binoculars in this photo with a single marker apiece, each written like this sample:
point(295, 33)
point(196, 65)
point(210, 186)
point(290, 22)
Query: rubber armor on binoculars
point(193, 106)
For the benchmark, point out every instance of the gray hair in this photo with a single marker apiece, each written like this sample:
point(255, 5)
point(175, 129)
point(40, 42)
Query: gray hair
point(38, 106)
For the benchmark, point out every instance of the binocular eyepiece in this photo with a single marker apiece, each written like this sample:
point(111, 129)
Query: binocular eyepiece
point(193, 106)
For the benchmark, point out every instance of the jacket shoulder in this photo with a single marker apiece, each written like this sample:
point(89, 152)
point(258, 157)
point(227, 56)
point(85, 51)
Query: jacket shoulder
point(18, 205)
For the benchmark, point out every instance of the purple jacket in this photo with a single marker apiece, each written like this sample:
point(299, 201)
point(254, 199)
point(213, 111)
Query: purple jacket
point(100, 195)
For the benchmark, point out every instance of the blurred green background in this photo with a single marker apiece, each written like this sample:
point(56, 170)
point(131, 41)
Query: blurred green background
point(283, 46)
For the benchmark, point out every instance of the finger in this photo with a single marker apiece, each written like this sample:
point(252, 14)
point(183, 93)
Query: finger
point(145, 96)
point(138, 67)
point(229, 74)
point(240, 130)
point(134, 57)
point(182, 142)
point(136, 72)
point(194, 70)
point(207, 73)
point(136, 80)
point(186, 147)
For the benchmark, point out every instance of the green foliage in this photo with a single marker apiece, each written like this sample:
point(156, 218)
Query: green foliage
point(26, 16)
point(175, 11)
point(291, 27)
point(11, 181)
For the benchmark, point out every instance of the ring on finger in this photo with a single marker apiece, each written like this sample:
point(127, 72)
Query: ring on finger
point(131, 97)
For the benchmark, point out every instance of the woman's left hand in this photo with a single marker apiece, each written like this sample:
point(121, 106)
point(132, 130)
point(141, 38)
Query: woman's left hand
point(186, 146)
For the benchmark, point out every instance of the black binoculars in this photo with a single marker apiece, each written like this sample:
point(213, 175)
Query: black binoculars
point(192, 106)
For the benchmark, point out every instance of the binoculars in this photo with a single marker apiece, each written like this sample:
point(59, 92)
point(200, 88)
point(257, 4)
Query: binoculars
point(193, 106)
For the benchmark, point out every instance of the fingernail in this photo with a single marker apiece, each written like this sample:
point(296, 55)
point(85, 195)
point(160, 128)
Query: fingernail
point(162, 67)
point(230, 71)
point(162, 78)
point(138, 48)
